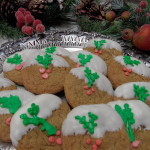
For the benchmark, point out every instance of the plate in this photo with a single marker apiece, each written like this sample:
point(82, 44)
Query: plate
point(71, 40)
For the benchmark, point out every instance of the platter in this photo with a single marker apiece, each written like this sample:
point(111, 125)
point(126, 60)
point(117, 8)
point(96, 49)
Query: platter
point(71, 40)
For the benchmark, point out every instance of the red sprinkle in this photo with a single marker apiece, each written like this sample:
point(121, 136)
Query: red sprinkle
point(48, 71)
point(88, 141)
point(126, 73)
point(89, 92)
point(42, 70)
point(94, 147)
point(130, 70)
point(125, 69)
point(135, 144)
point(19, 67)
point(45, 76)
point(58, 133)
point(98, 142)
point(100, 52)
point(59, 141)
point(92, 89)
point(86, 87)
point(51, 139)
point(96, 50)
point(8, 120)
point(77, 65)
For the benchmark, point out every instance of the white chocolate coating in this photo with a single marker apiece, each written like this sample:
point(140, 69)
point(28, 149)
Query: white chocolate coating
point(4, 82)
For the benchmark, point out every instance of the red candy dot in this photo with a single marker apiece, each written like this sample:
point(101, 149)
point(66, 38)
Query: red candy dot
point(130, 70)
point(125, 69)
point(58, 133)
point(86, 87)
point(45, 76)
point(19, 67)
point(96, 50)
point(100, 52)
point(89, 92)
point(94, 147)
point(98, 142)
point(42, 70)
point(126, 73)
point(48, 71)
point(8, 120)
point(77, 65)
point(88, 141)
point(135, 144)
point(92, 89)
point(59, 141)
point(51, 139)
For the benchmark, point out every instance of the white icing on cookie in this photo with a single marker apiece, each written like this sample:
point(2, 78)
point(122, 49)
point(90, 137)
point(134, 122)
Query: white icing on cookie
point(47, 103)
point(141, 112)
point(102, 82)
point(108, 120)
point(4, 82)
point(29, 56)
point(110, 44)
point(24, 96)
point(127, 90)
point(96, 63)
point(141, 69)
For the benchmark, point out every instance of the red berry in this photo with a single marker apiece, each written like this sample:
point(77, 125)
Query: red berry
point(126, 73)
point(18, 13)
point(27, 30)
point(94, 147)
point(20, 19)
point(59, 141)
point(29, 19)
point(27, 13)
point(124, 69)
point(98, 142)
point(89, 92)
point(22, 10)
point(92, 89)
point(130, 70)
point(96, 50)
point(36, 22)
point(19, 25)
point(88, 141)
point(40, 28)
point(86, 87)
point(100, 52)
point(51, 139)
point(58, 133)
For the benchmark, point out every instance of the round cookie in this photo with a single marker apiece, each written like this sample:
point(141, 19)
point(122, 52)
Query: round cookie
point(50, 110)
point(87, 59)
point(127, 69)
point(6, 84)
point(133, 90)
point(44, 73)
point(10, 102)
point(85, 86)
point(101, 127)
point(104, 48)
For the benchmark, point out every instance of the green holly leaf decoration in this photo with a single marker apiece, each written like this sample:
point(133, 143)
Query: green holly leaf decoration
point(89, 125)
point(15, 60)
point(90, 76)
point(35, 120)
point(128, 119)
point(13, 103)
point(129, 61)
point(50, 50)
point(83, 59)
point(141, 92)
point(45, 60)
point(99, 44)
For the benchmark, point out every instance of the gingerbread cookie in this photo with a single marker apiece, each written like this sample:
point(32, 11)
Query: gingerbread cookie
point(104, 48)
point(85, 86)
point(10, 102)
point(37, 125)
point(44, 73)
point(101, 126)
point(124, 69)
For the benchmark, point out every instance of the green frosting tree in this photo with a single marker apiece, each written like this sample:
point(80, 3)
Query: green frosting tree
point(35, 120)
point(50, 50)
point(141, 92)
point(129, 61)
point(83, 59)
point(13, 103)
point(15, 60)
point(99, 44)
point(90, 76)
point(89, 125)
point(128, 119)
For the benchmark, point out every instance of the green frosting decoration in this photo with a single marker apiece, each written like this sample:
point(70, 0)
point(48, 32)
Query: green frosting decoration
point(90, 76)
point(99, 44)
point(141, 92)
point(13, 103)
point(128, 119)
point(15, 60)
point(84, 58)
point(35, 120)
point(50, 50)
point(45, 60)
point(129, 61)
point(89, 125)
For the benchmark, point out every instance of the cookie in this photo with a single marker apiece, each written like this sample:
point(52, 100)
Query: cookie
point(47, 112)
point(127, 69)
point(87, 59)
point(101, 127)
point(84, 86)
point(104, 48)
point(44, 73)
point(133, 90)
point(10, 102)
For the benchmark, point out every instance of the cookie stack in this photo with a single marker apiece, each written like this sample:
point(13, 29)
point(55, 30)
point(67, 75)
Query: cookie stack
point(108, 99)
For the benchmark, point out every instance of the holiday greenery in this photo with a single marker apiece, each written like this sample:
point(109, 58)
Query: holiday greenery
point(99, 44)
point(89, 125)
point(16, 59)
point(141, 92)
point(12, 103)
point(129, 61)
point(35, 120)
point(50, 50)
point(90, 76)
point(128, 119)
point(83, 59)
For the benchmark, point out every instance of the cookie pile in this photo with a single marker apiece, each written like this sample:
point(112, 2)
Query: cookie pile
point(107, 93)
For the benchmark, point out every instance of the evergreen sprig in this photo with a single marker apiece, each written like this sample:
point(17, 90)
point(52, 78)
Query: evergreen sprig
point(35, 120)
point(89, 125)
point(99, 44)
point(50, 50)
point(129, 61)
point(84, 59)
point(16, 59)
